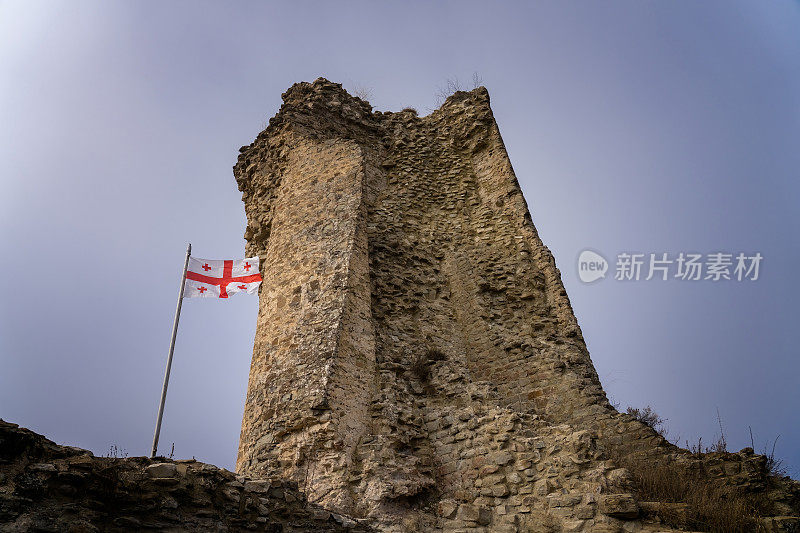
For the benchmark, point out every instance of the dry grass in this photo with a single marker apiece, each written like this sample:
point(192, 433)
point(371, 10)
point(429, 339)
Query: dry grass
point(363, 92)
point(650, 418)
point(115, 452)
point(452, 86)
point(706, 505)
point(775, 466)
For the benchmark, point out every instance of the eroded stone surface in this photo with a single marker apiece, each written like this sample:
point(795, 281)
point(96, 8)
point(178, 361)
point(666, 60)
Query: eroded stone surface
point(416, 358)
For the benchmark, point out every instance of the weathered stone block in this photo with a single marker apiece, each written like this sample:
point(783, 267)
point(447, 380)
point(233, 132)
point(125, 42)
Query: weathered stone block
point(619, 505)
point(447, 508)
point(468, 512)
point(162, 470)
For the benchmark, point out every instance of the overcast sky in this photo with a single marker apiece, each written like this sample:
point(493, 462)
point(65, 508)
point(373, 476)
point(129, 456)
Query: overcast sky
point(645, 127)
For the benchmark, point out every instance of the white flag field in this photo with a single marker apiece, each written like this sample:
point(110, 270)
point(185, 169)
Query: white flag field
point(220, 278)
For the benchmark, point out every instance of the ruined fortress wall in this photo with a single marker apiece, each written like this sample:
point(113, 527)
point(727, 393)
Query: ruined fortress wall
point(307, 261)
point(416, 356)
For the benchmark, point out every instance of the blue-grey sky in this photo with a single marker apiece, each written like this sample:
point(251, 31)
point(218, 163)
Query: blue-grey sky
point(632, 126)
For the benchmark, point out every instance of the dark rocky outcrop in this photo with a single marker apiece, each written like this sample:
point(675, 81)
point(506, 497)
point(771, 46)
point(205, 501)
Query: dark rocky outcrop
point(50, 488)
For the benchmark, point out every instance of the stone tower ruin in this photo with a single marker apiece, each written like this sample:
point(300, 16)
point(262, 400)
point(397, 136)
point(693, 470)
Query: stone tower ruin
point(416, 359)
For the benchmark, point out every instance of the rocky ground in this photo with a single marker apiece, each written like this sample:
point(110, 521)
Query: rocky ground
point(46, 487)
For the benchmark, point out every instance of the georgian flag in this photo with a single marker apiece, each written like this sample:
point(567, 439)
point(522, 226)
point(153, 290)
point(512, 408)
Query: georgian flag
point(215, 278)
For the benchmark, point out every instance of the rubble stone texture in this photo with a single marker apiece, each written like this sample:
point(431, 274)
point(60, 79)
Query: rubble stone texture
point(49, 488)
point(416, 359)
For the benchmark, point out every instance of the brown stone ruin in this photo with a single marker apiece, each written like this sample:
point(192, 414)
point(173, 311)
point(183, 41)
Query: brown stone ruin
point(416, 359)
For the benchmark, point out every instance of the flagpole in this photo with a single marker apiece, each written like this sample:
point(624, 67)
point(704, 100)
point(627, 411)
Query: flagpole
point(171, 350)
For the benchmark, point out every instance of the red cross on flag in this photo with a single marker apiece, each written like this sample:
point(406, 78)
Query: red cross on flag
point(216, 278)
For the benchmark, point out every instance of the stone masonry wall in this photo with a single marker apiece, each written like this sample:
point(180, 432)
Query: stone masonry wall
point(416, 358)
